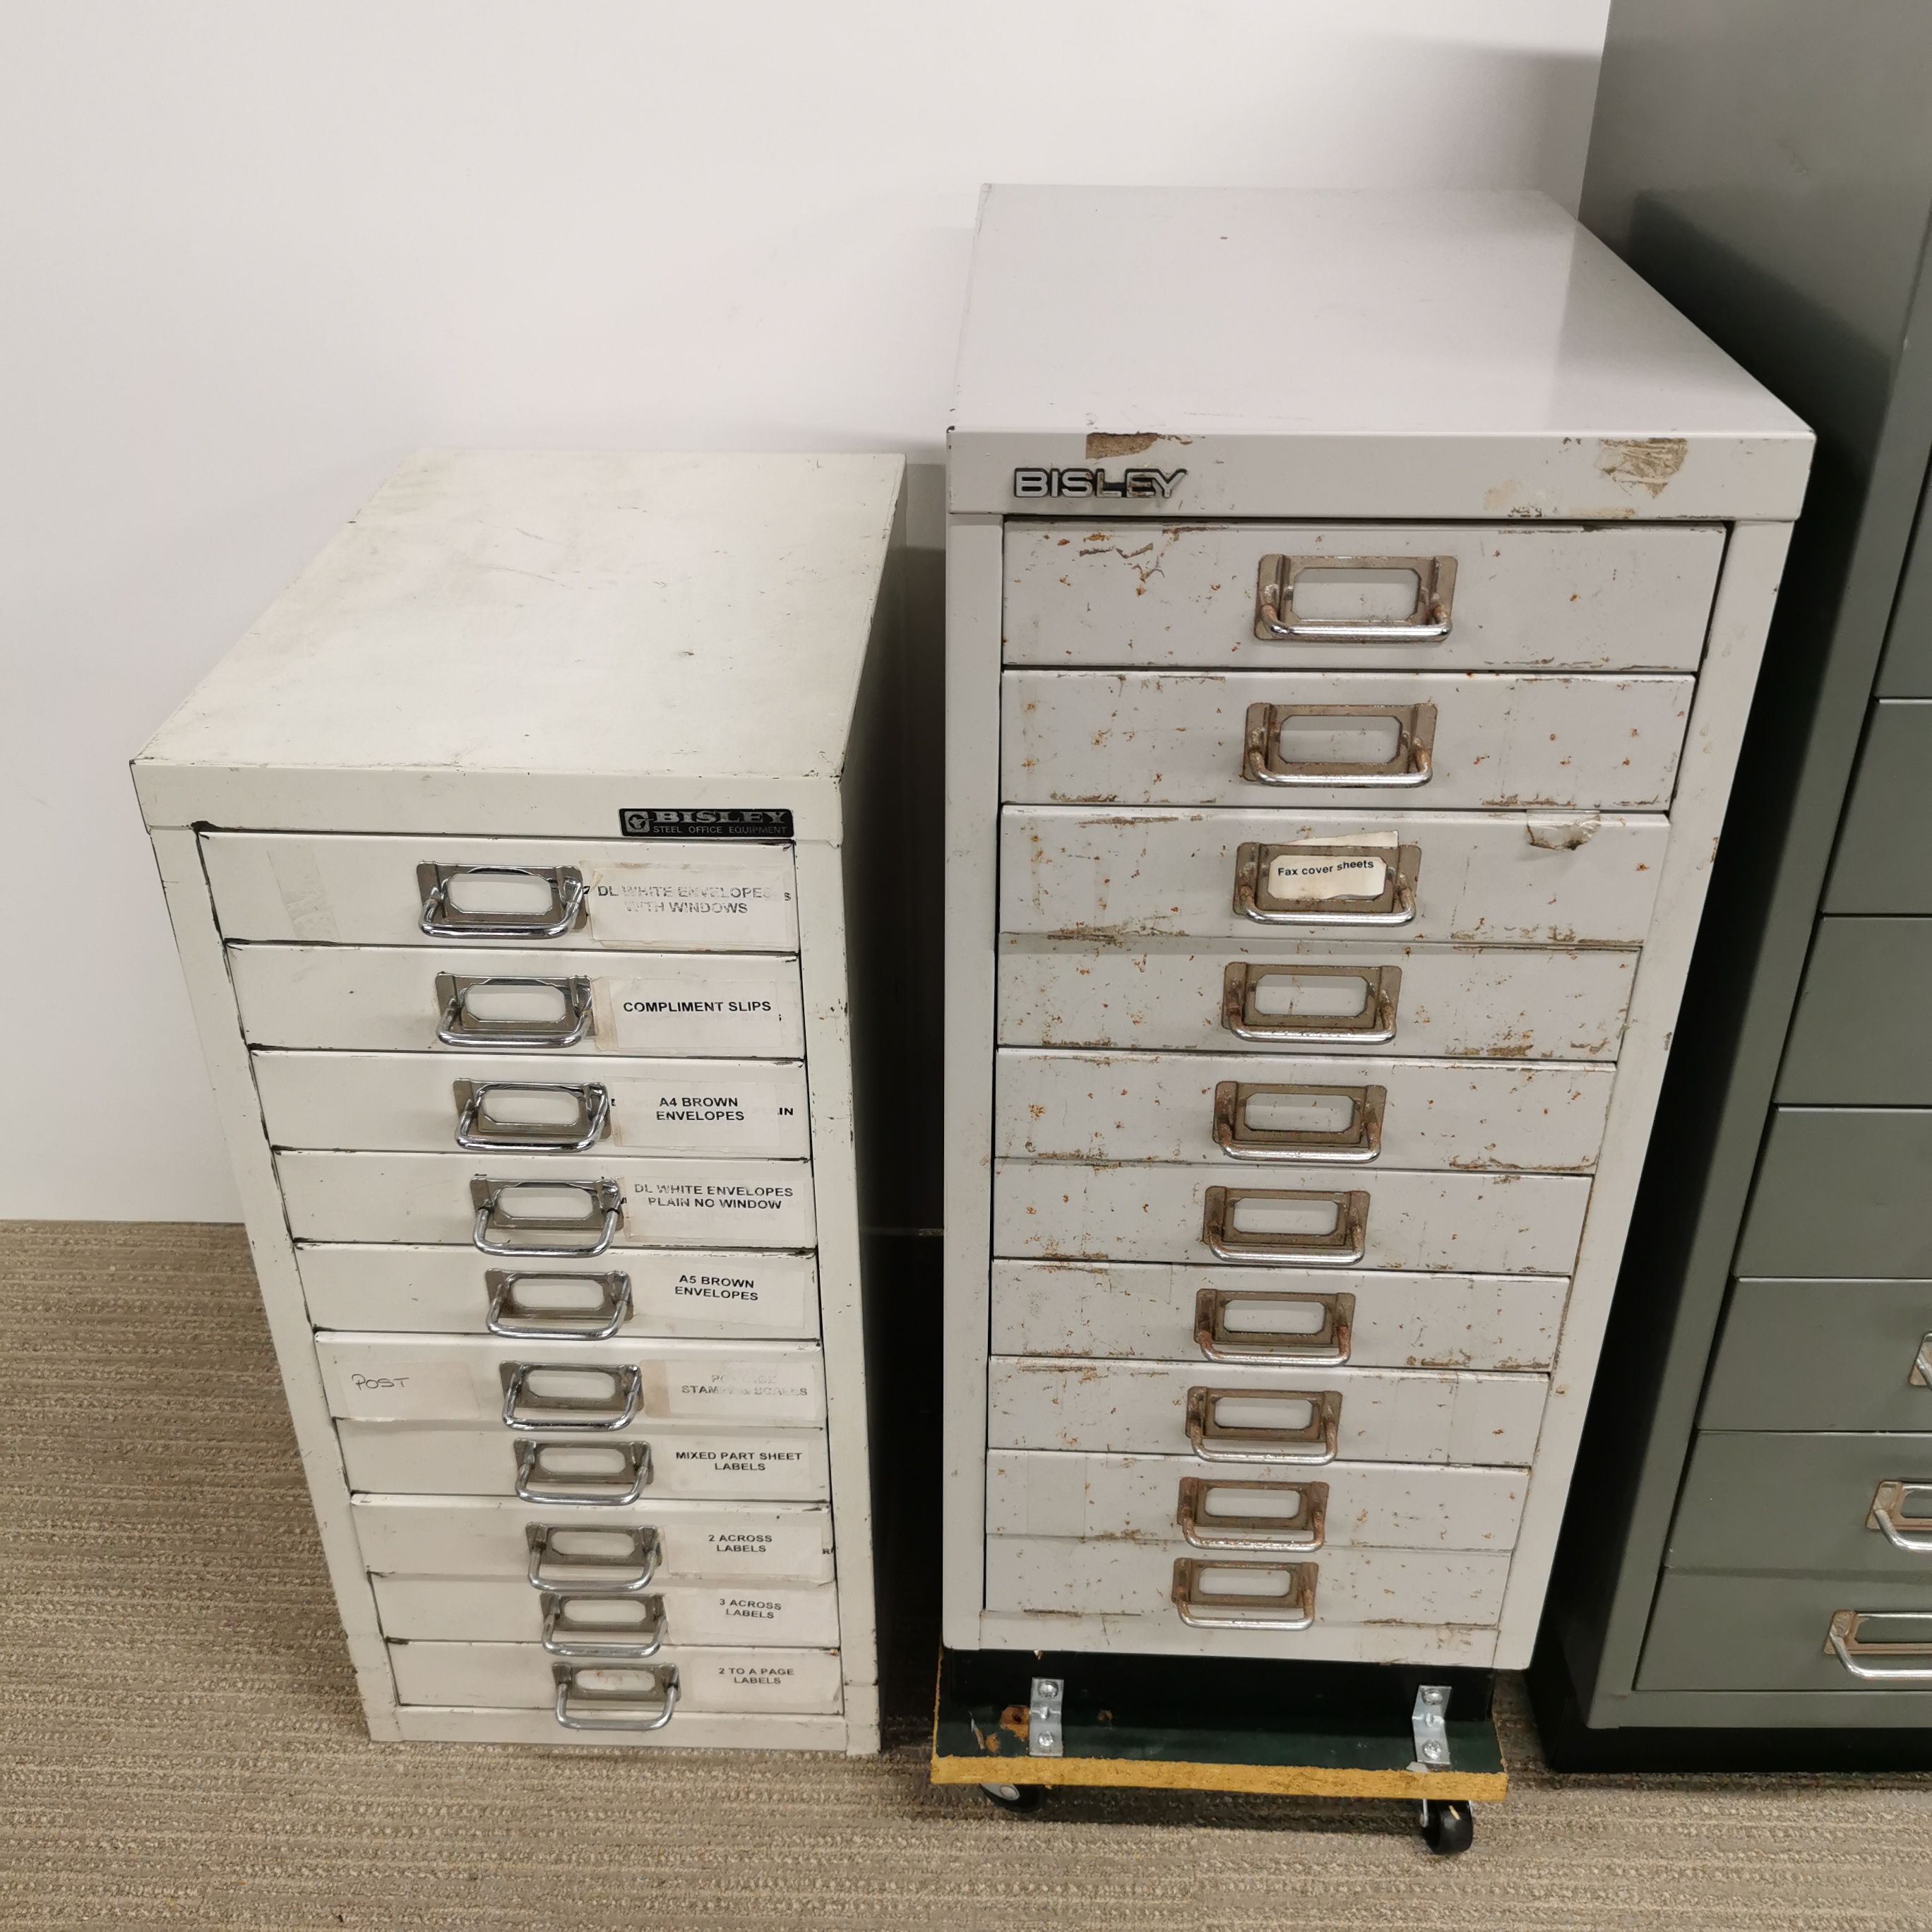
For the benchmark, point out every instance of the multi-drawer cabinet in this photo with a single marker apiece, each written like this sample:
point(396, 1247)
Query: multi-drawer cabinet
point(510, 857)
point(1343, 694)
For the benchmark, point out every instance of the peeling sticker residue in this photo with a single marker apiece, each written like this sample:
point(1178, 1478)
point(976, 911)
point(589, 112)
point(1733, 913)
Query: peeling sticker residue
point(1100, 443)
point(1648, 462)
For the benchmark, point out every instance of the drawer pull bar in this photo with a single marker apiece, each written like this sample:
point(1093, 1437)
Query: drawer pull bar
point(1277, 623)
point(1219, 1343)
point(459, 1026)
point(442, 919)
point(626, 1483)
point(527, 1411)
point(1275, 1535)
point(1342, 1246)
point(477, 1131)
point(1210, 1610)
point(1314, 1440)
point(1411, 765)
point(625, 1572)
point(1842, 1641)
point(1358, 1143)
point(556, 1324)
point(1373, 1026)
point(1921, 1374)
point(1394, 904)
point(603, 1214)
point(614, 1710)
point(1887, 1513)
point(565, 1635)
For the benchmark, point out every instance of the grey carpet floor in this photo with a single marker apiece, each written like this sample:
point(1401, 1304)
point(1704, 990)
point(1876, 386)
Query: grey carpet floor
point(182, 1745)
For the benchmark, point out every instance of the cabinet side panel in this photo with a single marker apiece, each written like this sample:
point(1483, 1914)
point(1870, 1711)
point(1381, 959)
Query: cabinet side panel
point(973, 589)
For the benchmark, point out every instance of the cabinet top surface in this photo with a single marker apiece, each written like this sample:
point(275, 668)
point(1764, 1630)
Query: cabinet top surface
point(1148, 322)
point(501, 612)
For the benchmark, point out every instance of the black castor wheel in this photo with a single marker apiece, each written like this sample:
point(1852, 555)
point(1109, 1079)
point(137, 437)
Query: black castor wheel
point(1446, 1826)
point(1015, 1797)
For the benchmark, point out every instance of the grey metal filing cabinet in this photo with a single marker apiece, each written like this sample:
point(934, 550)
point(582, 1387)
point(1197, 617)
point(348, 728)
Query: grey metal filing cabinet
point(1353, 604)
point(1751, 1582)
point(511, 856)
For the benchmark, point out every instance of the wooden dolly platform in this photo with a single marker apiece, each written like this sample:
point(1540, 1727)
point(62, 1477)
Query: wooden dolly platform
point(1019, 1723)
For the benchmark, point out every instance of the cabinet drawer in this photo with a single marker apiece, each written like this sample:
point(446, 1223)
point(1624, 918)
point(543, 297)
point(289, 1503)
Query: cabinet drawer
point(551, 1387)
point(1878, 864)
point(1310, 996)
point(455, 1290)
point(1840, 1192)
point(1798, 1503)
point(523, 1677)
point(409, 1101)
point(1623, 597)
point(413, 1459)
point(559, 1201)
point(1276, 1415)
point(1480, 877)
point(1743, 1632)
point(1424, 741)
point(451, 1609)
point(1474, 1223)
point(1176, 1314)
point(1148, 1499)
point(1053, 1577)
point(1244, 1113)
point(1821, 1354)
point(462, 1536)
point(596, 893)
point(1860, 1037)
point(387, 999)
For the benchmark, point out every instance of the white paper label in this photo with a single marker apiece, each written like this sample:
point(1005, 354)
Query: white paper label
point(771, 1547)
point(735, 899)
point(1348, 875)
point(706, 1114)
point(705, 1016)
point(748, 1290)
point(730, 1213)
point(777, 1392)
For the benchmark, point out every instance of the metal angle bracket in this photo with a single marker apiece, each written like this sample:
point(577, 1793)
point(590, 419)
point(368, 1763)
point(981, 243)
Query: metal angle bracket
point(1428, 1724)
point(1044, 1729)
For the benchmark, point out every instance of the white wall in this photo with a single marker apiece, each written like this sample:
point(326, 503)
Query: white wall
point(250, 252)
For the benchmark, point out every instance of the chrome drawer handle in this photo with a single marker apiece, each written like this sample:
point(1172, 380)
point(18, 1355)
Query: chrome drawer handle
point(478, 1131)
point(443, 920)
point(1410, 764)
point(1329, 1342)
point(1276, 1535)
point(601, 1570)
point(1315, 1441)
point(1889, 1512)
point(498, 1230)
point(1356, 1143)
point(1394, 904)
point(540, 1479)
point(565, 1634)
point(1921, 1374)
point(1843, 1641)
point(525, 1409)
point(460, 1026)
point(1276, 622)
point(1374, 1025)
point(614, 1709)
point(556, 1324)
point(1213, 1609)
point(1342, 1246)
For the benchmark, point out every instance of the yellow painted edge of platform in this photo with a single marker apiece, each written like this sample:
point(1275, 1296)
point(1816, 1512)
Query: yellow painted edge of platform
point(1283, 1780)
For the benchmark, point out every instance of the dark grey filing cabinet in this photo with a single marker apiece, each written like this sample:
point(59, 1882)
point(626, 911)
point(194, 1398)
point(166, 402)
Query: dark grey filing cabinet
point(1745, 1575)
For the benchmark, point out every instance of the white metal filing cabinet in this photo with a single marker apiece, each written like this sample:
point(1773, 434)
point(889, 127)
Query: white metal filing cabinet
point(509, 858)
point(1353, 605)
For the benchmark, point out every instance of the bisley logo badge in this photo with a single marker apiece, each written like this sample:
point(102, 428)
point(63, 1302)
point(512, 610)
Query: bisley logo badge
point(1036, 483)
